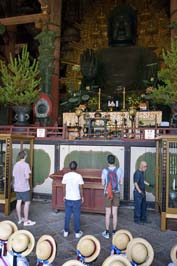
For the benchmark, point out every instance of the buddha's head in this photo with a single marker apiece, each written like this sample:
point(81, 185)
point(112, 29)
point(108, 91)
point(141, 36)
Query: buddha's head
point(122, 26)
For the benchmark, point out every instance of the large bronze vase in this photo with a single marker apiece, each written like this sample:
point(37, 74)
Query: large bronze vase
point(22, 114)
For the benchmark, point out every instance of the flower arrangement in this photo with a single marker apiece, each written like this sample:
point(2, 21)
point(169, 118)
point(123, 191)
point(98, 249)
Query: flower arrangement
point(93, 103)
point(133, 100)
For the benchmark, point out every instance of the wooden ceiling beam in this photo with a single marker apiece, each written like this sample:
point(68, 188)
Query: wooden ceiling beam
point(40, 17)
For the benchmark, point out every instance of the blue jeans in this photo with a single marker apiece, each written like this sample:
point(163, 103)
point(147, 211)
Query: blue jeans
point(139, 207)
point(72, 206)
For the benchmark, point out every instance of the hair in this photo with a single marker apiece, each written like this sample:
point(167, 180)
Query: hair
point(73, 165)
point(142, 163)
point(22, 155)
point(111, 159)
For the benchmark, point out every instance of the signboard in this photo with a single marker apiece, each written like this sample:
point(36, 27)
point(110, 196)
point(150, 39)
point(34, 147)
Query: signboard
point(41, 132)
point(149, 134)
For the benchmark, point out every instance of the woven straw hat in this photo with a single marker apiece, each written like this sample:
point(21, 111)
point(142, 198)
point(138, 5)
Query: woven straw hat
point(173, 254)
point(73, 263)
point(89, 247)
point(22, 242)
point(121, 239)
point(116, 260)
point(7, 228)
point(46, 248)
point(140, 251)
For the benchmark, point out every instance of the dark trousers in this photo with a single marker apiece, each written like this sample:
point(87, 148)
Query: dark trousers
point(72, 206)
point(139, 207)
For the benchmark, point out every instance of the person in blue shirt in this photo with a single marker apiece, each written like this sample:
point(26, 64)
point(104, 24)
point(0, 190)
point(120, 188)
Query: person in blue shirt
point(140, 194)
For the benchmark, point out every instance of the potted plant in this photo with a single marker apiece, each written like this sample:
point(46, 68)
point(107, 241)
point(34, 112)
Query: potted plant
point(19, 82)
point(165, 91)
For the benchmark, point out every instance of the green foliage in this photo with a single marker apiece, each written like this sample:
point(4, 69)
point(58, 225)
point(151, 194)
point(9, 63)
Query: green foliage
point(89, 159)
point(19, 80)
point(41, 168)
point(166, 93)
point(133, 100)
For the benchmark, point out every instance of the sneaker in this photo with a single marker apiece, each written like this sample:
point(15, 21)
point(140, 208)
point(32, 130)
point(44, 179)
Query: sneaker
point(113, 232)
point(65, 234)
point(78, 235)
point(29, 223)
point(21, 221)
point(105, 234)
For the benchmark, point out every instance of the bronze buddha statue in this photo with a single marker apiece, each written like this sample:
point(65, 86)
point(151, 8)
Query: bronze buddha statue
point(122, 63)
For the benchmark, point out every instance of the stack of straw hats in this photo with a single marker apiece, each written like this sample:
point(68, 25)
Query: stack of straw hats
point(129, 250)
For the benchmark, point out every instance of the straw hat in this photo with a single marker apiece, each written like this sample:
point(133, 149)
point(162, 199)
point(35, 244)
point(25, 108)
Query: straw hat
point(121, 239)
point(140, 251)
point(173, 254)
point(89, 247)
point(22, 241)
point(116, 260)
point(7, 228)
point(73, 263)
point(46, 248)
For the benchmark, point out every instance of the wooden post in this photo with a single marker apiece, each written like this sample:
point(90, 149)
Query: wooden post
point(55, 8)
point(157, 178)
point(163, 226)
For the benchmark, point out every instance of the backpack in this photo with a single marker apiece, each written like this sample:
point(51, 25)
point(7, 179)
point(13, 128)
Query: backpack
point(112, 182)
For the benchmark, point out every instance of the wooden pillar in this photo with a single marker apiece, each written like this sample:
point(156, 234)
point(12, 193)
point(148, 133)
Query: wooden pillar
point(173, 14)
point(55, 8)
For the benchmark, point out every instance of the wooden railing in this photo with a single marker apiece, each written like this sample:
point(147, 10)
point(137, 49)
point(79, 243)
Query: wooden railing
point(49, 132)
point(127, 133)
point(140, 133)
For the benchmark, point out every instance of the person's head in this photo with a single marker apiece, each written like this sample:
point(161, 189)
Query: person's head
point(111, 159)
point(22, 155)
point(73, 165)
point(143, 166)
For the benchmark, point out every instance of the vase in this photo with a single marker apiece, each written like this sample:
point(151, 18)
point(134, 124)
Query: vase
point(132, 111)
point(22, 114)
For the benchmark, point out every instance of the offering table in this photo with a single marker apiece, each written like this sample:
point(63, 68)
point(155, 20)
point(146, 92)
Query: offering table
point(93, 190)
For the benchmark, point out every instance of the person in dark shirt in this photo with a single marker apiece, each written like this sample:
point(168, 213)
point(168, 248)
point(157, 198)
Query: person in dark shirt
point(140, 194)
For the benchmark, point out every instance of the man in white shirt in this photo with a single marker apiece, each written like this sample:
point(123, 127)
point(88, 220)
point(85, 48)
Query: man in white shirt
point(73, 198)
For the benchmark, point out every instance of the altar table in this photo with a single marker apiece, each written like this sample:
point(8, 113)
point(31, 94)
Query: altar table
point(118, 119)
point(149, 118)
point(93, 190)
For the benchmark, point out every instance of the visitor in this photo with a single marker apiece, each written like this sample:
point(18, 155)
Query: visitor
point(21, 174)
point(73, 198)
point(112, 179)
point(140, 194)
